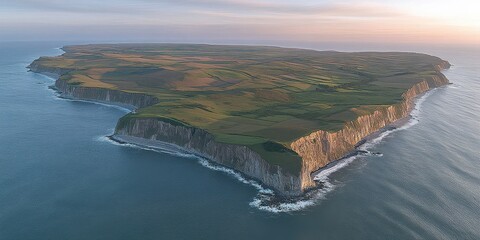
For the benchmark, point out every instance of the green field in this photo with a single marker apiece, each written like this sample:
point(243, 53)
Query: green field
point(262, 97)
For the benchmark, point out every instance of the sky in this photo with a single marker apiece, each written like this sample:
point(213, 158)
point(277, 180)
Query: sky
point(243, 21)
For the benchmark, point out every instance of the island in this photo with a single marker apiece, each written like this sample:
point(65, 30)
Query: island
point(273, 114)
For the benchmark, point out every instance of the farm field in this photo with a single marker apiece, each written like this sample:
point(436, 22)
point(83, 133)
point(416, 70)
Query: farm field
point(261, 97)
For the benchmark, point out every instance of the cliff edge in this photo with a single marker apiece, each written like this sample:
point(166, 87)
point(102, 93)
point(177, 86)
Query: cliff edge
point(315, 150)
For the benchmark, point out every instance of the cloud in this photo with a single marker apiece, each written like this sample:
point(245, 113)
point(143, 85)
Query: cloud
point(177, 12)
point(305, 20)
point(357, 9)
point(132, 7)
point(69, 6)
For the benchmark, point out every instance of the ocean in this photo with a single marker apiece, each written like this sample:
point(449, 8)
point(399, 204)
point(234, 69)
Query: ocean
point(61, 178)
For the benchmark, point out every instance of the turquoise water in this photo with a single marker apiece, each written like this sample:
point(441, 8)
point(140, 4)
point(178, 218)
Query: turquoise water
point(61, 179)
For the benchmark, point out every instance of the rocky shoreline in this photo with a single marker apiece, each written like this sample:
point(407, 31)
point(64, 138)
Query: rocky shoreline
point(320, 148)
point(317, 149)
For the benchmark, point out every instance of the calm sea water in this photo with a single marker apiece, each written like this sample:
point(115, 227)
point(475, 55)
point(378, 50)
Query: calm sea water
point(60, 178)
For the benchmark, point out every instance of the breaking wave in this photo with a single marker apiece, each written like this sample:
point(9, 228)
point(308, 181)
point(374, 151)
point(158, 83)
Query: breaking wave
point(107, 139)
point(57, 96)
point(268, 202)
point(172, 152)
point(123, 109)
point(266, 199)
point(235, 174)
point(203, 161)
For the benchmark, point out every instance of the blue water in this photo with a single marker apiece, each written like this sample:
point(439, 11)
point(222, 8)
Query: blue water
point(60, 178)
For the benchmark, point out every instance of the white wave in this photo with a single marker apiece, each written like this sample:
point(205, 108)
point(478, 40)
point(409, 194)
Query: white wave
point(107, 139)
point(124, 109)
point(323, 176)
point(455, 85)
point(372, 142)
point(416, 110)
point(270, 202)
point(259, 203)
point(266, 200)
point(57, 96)
point(147, 147)
point(414, 120)
point(53, 91)
point(237, 175)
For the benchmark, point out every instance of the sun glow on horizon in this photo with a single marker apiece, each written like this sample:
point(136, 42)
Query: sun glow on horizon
point(460, 13)
point(242, 20)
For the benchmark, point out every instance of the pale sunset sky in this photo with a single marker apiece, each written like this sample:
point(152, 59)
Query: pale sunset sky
point(243, 21)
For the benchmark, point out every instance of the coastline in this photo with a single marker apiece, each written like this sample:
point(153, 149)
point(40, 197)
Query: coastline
point(164, 147)
point(125, 107)
point(56, 157)
point(308, 185)
point(321, 148)
point(362, 149)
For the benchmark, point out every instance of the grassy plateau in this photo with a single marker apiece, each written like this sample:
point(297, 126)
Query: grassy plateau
point(261, 97)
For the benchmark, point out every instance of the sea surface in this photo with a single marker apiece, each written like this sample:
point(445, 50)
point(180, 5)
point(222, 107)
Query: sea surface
point(61, 178)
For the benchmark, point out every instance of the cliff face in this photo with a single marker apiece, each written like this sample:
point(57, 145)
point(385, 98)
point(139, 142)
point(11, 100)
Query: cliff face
point(127, 99)
point(317, 149)
point(321, 147)
point(238, 157)
point(137, 100)
point(49, 71)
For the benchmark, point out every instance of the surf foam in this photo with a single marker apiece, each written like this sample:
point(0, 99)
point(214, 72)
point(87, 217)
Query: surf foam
point(266, 200)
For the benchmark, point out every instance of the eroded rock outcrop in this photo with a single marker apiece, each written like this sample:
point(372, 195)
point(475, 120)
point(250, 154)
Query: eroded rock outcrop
point(316, 150)
point(135, 100)
point(198, 141)
point(321, 147)
point(126, 99)
point(53, 72)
